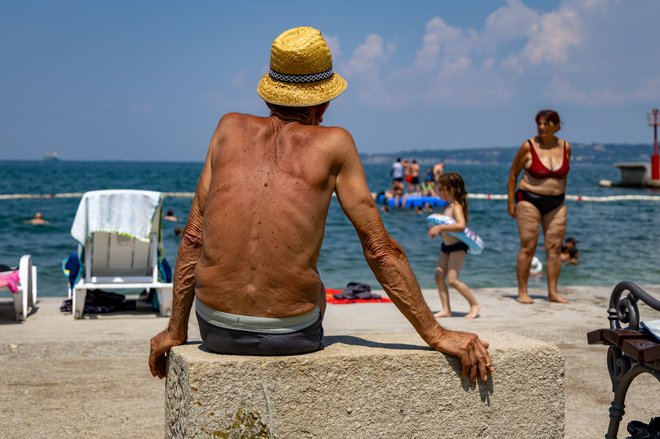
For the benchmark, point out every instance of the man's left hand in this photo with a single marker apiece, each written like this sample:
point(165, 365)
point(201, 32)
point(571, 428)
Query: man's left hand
point(470, 350)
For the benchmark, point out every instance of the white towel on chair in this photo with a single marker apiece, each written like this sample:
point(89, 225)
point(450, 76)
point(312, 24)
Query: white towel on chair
point(123, 211)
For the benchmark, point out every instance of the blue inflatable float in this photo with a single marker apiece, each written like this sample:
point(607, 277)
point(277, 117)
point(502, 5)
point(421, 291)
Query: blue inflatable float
point(412, 201)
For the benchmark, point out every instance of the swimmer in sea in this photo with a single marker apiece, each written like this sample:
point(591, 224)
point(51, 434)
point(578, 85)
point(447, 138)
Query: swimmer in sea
point(169, 216)
point(569, 252)
point(37, 220)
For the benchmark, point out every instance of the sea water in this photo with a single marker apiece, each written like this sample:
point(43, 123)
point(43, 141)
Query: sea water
point(617, 240)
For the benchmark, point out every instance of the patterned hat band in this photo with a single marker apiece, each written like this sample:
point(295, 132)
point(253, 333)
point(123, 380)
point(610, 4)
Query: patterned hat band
point(300, 79)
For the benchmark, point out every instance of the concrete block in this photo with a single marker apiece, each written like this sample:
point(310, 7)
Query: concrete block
point(367, 386)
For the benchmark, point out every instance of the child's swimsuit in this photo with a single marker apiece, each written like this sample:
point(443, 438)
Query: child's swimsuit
point(457, 247)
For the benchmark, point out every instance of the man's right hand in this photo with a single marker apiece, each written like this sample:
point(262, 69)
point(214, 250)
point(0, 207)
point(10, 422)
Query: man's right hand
point(471, 351)
point(160, 347)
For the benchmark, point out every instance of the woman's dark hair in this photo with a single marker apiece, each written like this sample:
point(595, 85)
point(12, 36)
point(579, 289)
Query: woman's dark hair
point(549, 116)
point(453, 182)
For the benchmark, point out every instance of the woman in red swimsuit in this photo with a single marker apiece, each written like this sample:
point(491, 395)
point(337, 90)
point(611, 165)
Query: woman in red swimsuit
point(539, 201)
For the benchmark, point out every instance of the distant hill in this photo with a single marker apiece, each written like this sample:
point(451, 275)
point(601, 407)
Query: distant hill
point(583, 154)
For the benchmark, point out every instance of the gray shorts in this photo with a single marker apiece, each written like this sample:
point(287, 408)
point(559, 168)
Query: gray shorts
point(225, 333)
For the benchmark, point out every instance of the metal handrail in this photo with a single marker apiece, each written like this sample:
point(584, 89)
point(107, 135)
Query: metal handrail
point(625, 310)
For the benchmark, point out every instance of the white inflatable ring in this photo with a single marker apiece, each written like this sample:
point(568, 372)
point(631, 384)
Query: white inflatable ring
point(473, 241)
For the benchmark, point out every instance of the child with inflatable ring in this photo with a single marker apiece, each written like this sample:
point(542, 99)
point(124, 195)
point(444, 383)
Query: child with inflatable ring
point(450, 262)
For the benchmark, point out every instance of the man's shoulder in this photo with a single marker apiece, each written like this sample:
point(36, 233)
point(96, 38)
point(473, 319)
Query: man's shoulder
point(232, 123)
point(334, 131)
point(332, 141)
point(238, 118)
point(323, 135)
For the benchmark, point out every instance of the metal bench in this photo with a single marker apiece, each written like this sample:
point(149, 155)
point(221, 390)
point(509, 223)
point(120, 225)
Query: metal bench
point(631, 351)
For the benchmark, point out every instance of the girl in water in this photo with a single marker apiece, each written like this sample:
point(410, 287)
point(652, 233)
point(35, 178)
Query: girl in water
point(453, 251)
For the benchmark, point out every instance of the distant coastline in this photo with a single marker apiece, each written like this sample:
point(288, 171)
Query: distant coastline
point(583, 154)
point(596, 154)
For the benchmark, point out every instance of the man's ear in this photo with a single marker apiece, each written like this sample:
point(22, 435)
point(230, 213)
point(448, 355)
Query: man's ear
point(320, 110)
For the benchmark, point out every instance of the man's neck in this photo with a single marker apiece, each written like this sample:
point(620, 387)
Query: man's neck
point(302, 117)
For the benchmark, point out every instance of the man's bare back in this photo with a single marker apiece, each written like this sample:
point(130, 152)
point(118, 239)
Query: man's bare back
point(269, 179)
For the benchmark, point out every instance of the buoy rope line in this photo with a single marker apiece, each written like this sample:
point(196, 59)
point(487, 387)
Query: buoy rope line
point(578, 198)
point(79, 195)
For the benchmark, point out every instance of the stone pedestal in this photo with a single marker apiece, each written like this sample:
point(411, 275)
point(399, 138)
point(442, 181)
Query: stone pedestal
point(368, 386)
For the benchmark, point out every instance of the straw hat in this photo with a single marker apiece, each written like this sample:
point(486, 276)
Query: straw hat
point(300, 73)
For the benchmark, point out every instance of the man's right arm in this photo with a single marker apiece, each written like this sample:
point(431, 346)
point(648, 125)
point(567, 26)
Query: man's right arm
point(390, 265)
point(184, 276)
point(184, 272)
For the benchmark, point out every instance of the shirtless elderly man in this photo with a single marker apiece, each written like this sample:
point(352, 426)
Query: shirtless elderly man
point(248, 254)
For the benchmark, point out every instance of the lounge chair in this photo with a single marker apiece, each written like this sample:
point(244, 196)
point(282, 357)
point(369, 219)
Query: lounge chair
point(119, 245)
point(22, 283)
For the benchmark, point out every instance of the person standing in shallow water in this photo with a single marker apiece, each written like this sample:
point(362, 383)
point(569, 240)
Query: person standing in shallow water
point(414, 177)
point(397, 172)
point(539, 201)
point(438, 170)
point(248, 255)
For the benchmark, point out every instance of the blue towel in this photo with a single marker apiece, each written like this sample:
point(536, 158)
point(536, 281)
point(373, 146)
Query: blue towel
point(72, 268)
point(165, 271)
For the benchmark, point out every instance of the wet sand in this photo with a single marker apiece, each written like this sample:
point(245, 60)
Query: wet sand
point(89, 378)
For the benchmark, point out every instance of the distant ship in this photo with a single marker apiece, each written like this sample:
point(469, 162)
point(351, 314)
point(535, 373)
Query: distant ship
point(53, 156)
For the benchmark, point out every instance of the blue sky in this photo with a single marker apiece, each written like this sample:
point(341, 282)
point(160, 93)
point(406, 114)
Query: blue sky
point(148, 80)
